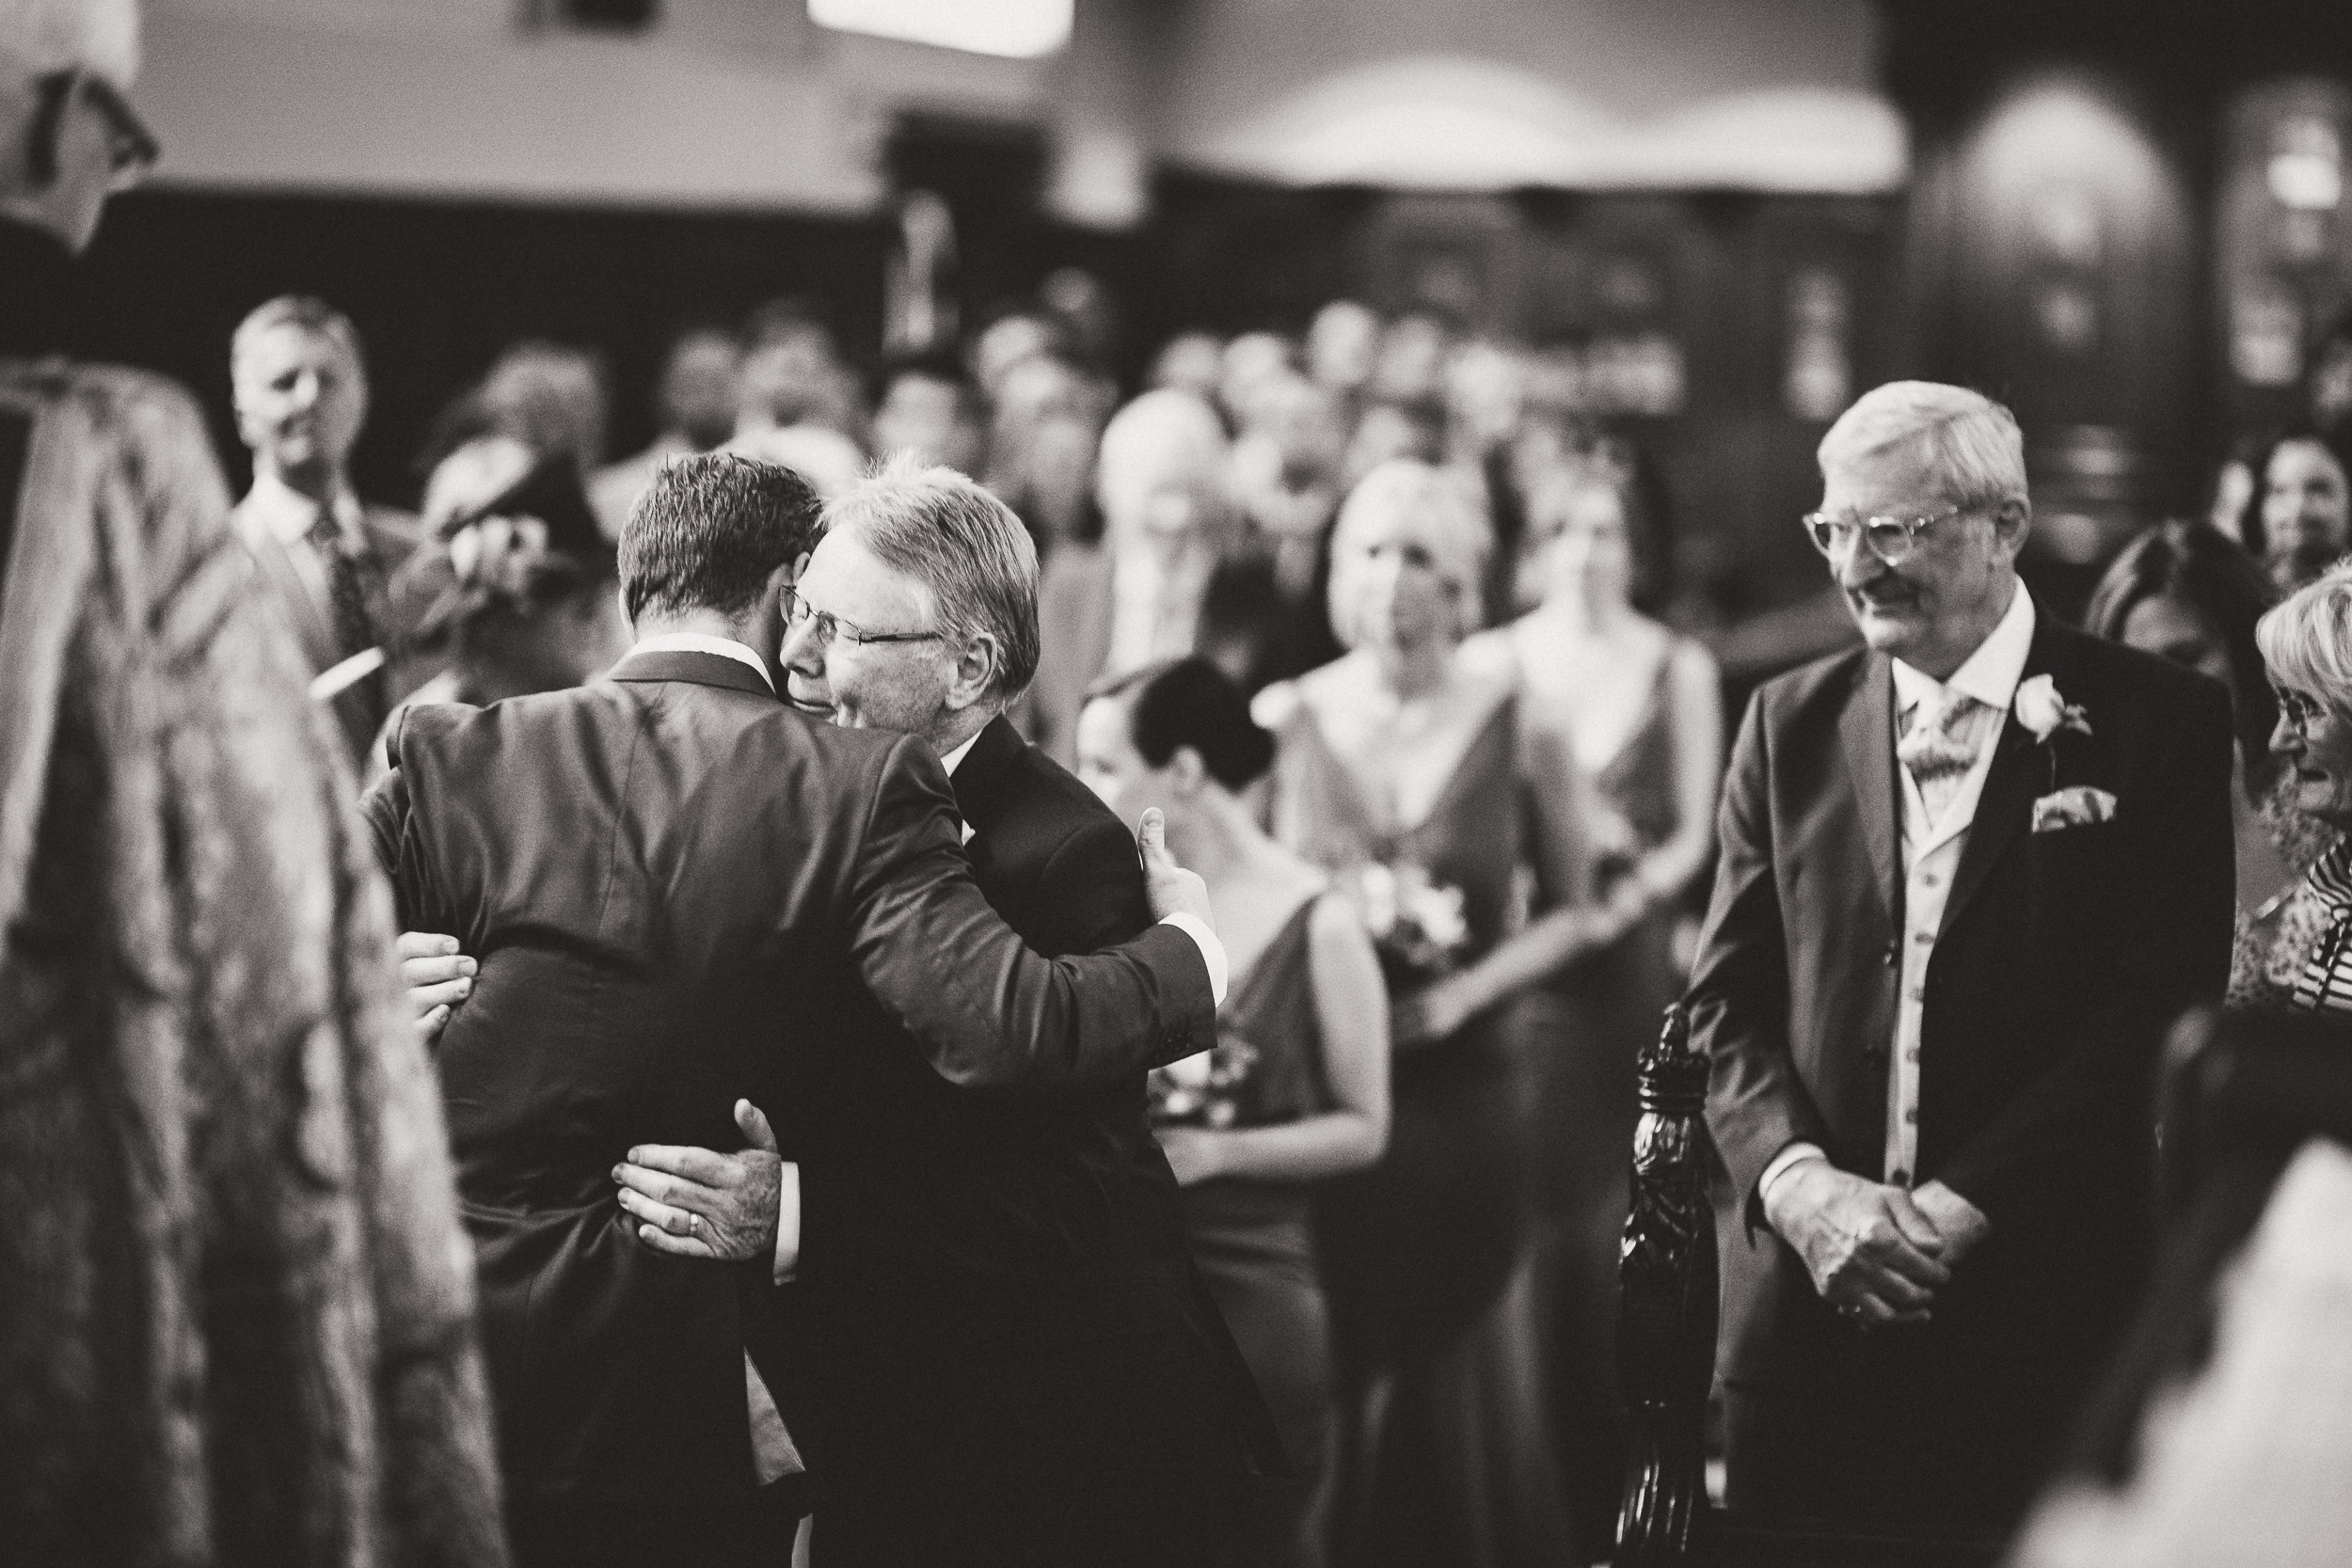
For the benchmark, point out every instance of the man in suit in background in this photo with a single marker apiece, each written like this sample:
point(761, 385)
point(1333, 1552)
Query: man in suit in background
point(678, 890)
point(1014, 1360)
point(300, 386)
point(1969, 873)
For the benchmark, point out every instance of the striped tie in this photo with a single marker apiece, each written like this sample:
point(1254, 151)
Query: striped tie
point(1940, 750)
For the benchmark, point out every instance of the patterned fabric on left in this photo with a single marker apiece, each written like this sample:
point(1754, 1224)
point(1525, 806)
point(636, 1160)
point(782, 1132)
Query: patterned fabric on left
point(237, 1308)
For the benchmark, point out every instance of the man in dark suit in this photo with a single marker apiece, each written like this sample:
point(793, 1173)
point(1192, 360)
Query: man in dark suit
point(300, 385)
point(1969, 873)
point(678, 888)
point(1011, 1359)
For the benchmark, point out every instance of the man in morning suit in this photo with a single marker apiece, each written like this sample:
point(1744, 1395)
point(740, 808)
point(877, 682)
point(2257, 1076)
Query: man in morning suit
point(1013, 1360)
point(1969, 873)
point(676, 889)
point(300, 385)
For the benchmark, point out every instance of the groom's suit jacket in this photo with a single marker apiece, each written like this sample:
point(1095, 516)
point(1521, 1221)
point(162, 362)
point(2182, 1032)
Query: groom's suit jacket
point(679, 892)
point(2061, 958)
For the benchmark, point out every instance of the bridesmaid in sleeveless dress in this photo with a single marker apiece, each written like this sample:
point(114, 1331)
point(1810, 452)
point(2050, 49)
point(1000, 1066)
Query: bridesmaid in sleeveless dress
point(1296, 1091)
point(1407, 770)
point(1638, 709)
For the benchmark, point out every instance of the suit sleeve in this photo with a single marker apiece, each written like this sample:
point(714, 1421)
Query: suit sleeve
point(1757, 1105)
point(987, 1012)
point(2174, 954)
point(385, 808)
point(1093, 892)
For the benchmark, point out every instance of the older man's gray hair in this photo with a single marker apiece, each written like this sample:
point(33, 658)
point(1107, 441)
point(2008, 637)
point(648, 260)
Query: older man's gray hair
point(1971, 444)
point(966, 548)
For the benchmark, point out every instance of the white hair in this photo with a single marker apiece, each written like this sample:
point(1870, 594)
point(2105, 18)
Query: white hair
point(1447, 518)
point(1162, 432)
point(100, 36)
point(1969, 442)
point(2306, 639)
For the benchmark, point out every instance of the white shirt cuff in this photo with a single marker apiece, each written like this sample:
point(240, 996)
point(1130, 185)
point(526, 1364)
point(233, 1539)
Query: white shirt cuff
point(1212, 950)
point(1795, 1154)
point(788, 1223)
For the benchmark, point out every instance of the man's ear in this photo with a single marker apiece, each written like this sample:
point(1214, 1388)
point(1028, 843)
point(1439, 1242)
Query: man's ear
point(620, 596)
point(974, 667)
point(2012, 521)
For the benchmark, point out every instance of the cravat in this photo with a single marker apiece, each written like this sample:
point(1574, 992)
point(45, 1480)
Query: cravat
point(1940, 748)
point(347, 599)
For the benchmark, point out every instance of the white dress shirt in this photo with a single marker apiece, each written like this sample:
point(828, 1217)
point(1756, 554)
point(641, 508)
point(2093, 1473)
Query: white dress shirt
point(1931, 852)
point(695, 643)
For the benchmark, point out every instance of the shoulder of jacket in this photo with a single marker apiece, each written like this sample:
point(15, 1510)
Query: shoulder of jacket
point(1832, 675)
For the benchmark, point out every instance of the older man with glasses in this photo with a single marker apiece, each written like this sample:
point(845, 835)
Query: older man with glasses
point(1969, 873)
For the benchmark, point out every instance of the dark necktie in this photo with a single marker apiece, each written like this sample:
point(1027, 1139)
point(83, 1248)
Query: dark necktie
point(347, 598)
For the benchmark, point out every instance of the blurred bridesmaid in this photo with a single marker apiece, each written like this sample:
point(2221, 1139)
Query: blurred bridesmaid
point(1637, 710)
point(1408, 773)
point(1296, 1091)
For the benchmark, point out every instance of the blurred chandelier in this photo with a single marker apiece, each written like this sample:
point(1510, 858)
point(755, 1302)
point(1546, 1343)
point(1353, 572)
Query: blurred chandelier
point(1017, 30)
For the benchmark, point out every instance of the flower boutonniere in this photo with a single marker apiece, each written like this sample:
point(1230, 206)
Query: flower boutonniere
point(2046, 715)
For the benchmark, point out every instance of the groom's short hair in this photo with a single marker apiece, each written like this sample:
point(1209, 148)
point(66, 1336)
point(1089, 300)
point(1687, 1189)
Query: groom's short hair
point(1970, 442)
point(710, 530)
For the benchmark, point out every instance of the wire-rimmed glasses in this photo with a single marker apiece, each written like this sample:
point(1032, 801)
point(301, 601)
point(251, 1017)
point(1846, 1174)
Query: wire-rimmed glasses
point(798, 613)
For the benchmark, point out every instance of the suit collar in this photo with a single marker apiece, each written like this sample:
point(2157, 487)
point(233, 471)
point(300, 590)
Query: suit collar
point(983, 777)
point(693, 667)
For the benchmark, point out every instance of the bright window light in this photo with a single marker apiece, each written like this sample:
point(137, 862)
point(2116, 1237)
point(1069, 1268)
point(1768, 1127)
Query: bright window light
point(1019, 29)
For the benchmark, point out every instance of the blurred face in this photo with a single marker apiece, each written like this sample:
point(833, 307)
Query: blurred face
point(2233, 488)
point(1412, 360)
point(2172, 628)
point(1396, 594)
point(1191, 363)
point(1109, 765)
point(900, 687)
point(1946, 598)
point(2306, 506)
point(700, 392)
point(1582, 547)
point(1307, 430)
point(2315, 740)
point(1342, 345)
point(926, 417)
point(300, 402)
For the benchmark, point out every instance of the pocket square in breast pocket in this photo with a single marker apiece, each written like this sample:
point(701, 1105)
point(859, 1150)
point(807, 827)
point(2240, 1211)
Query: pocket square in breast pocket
point(2078, 807)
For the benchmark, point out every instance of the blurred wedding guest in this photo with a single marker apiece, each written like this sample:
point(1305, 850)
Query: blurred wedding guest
point(237, 1325)
point(1286, 478)
point(2183, 593)
point(1637, 708)
point(2299, 520)
point(1252, 365)
point(519, 590)
point(1140, 595)
point(2306, 645)
point(1342, 348)
point(552, 399)
point(2234, 487)
point(792, 374)
point(1411, 363)
point(300, 387)
point(932, 413)
point(1016, 333)
point(696, 402)
point(1295, 1092)
point(1189, 362)
point(1413, 775)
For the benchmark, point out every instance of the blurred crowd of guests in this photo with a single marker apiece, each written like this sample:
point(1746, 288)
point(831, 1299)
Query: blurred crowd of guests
point(1421, 613)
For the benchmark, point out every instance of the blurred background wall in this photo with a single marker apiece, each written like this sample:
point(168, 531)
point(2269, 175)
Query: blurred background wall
point(1726, 217)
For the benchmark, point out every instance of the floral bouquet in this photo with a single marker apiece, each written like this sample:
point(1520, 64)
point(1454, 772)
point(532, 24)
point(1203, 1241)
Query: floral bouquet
point(1204, 1090)
point(1417, 925)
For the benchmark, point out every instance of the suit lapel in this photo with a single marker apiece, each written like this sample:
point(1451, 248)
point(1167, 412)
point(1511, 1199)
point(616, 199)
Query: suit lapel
point(2017, 775)
point(1867, 727)
point(310, 621)
point(985, 773)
